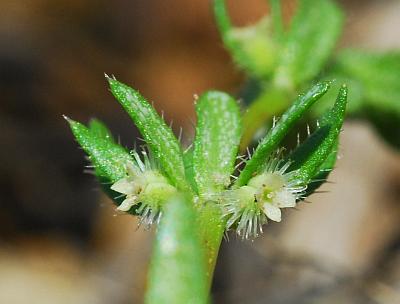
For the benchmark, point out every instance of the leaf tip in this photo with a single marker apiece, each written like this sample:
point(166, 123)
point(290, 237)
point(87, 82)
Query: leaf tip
point(112, 81)
point(109, 78)
point(342, 95)
point(325, 85)
point(69, 120)
point(72, 123)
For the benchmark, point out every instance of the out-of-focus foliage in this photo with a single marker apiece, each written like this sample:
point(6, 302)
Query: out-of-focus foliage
point(377, 77)
point(282, 62)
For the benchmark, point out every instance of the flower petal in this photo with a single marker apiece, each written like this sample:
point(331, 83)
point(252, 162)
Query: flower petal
point(124, 186)
point(127, 204)
point(284, 199)
point(272, 212)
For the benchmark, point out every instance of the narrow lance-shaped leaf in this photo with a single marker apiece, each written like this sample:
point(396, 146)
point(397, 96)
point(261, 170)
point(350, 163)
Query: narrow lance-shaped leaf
point(355, 96)
point(275, 135)
point(303, 152)
point(313, 33)
point(332, 121)
point(323, 172)
point(154, 130)
point(217, 139)
point(100, 130)
point(177, 268)
point(106, 156)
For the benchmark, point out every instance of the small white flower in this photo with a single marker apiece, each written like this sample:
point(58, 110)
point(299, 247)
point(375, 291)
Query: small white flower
point(144, 186)
point(250, 206)
point(273, 194)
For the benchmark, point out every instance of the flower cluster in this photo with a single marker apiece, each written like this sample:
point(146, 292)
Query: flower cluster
point(249, 207)
point(246, 208)
point(145, 187)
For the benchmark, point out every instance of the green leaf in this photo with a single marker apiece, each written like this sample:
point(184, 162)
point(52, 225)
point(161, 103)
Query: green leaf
point(310, 41)
point(99, 129)
point(189, 169)
point(217, 140)
point(320, 146)
point(355, 97)
point(323, 172)
point(303, 152)
point(109, 158)
point(160, 138)
point(300, 155)
point(378, 76)
point(177, 269)
point(275, 135)
point(253, 48)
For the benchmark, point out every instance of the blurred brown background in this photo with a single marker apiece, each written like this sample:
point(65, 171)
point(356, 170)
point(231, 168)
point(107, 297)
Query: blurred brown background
point(60, 239)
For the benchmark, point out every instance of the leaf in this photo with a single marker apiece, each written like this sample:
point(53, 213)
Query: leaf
point(300, 155)
point(253, 48)
point(107, 157)
point(310, 41)
point(314, 153)
point(160, 138)
point(378, 76)
point(323, 172)
point(355, 96)
point(100, 130)
point(217, 140)
point(303, 152)
point(275, 135)
point(378, 73)
point(189, 170)
point(177, 268)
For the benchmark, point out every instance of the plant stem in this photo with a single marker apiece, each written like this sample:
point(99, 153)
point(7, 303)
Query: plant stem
point(211, 231)
point(270, 103)
point(276, 13)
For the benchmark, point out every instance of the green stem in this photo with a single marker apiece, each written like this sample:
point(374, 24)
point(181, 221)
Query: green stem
point(276, 13)
point(268, 104)
point(211, 230)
